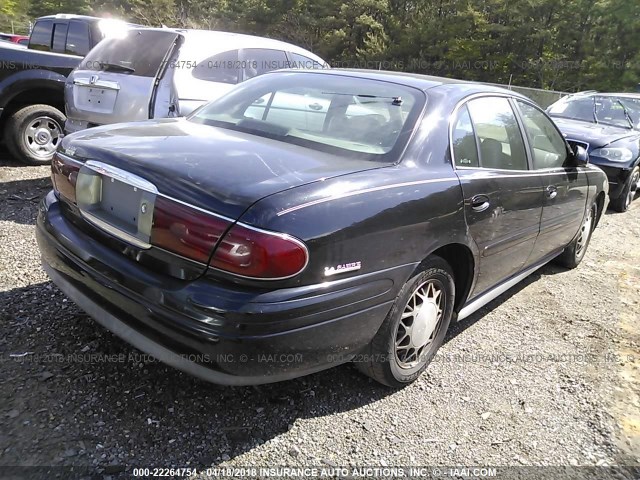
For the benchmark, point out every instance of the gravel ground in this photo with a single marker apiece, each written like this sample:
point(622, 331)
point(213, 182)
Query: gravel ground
point(547, 374)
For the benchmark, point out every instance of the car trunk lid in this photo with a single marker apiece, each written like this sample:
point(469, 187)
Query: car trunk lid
point(189, 179)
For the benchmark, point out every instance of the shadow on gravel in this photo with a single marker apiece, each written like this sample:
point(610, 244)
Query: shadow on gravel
point(19, 199)
point(71, 392)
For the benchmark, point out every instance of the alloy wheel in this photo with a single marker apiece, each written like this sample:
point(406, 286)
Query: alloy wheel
point(42, 136)
point(585, 232)
point(419, 323)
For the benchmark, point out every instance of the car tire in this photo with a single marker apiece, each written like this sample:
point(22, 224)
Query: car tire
point(576, 250)
point(34, 132)
point(398, 354)
point(623, 201)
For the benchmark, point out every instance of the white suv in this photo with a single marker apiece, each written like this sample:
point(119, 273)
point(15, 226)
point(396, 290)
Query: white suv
point(161, 72)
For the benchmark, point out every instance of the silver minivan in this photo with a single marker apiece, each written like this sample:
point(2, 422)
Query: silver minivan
point(162, 72)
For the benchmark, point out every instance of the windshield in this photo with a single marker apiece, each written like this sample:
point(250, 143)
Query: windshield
point(354, 117)
point(620, 111)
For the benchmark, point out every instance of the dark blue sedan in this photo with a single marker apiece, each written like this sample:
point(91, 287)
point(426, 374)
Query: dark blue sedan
point(608, 126)
point(311, 218)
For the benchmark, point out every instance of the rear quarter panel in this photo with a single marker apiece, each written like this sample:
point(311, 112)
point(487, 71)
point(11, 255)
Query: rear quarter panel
point(383, 218)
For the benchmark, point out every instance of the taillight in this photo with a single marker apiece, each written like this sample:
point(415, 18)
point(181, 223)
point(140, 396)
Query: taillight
point(242, 251)
point(184, 230)
point(194, 233)
point(259, 254)
point(64, 173)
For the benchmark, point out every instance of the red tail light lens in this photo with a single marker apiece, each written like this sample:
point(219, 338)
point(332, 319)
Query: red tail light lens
point(64, 173)
point(242, 251)
point(260, 254)
point(185, 230)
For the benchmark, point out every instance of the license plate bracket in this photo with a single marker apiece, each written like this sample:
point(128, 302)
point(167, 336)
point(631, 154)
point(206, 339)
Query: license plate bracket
point(116, 201)
point(95, 98)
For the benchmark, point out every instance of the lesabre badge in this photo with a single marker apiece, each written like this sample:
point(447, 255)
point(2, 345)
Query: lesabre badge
point(342, 268)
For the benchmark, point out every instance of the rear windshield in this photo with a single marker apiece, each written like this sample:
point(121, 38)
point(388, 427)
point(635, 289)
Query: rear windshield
point(138, 52)
point(352, 117)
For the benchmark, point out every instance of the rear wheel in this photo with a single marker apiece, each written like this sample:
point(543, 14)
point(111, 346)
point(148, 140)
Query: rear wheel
point(623, 202)
point(414, 328)
point(576, 250)
point(34, 132)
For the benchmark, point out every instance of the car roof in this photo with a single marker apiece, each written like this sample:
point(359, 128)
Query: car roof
point(230, 40)
point(593, 93)
point(415, 80)
point(69, 16)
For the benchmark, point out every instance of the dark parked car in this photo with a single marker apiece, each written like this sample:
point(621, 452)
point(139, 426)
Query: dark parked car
point(608, 126)
point(312, 218)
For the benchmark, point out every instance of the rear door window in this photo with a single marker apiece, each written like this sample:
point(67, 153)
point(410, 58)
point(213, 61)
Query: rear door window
point(59, 36)
point(140, 52)
point(463, 139)
point(256, 61)
point(77, 39)
point(41, 35)
point(498, 134)
point(222, 68)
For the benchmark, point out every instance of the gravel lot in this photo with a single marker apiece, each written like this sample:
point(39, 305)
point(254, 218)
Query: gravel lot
point(547, 374)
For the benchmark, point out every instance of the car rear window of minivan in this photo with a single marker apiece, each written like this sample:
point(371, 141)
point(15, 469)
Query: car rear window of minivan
point(140, 52)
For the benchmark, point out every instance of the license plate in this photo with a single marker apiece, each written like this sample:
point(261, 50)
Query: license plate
point(116, 201)
point(95, 99)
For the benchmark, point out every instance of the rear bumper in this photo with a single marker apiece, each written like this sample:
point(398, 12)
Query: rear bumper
point(72, 126)
point(220, 333)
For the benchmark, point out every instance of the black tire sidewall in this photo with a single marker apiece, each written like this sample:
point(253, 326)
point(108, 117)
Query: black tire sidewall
point(594, 214)
point(569, 258)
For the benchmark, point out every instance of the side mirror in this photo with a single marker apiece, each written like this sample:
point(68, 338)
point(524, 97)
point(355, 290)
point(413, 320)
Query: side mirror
point(581, 156)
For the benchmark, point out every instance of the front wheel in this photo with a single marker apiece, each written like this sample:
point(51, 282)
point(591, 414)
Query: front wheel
point(414, 329)
point(34, 132)
point(623, 202)
point(575, 251)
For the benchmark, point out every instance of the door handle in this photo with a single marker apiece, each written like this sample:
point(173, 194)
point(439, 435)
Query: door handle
point(315, 106)
point(479, 203)
point(552, 192)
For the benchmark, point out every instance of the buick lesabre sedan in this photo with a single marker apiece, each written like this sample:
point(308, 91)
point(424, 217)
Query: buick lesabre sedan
point(312, 218)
